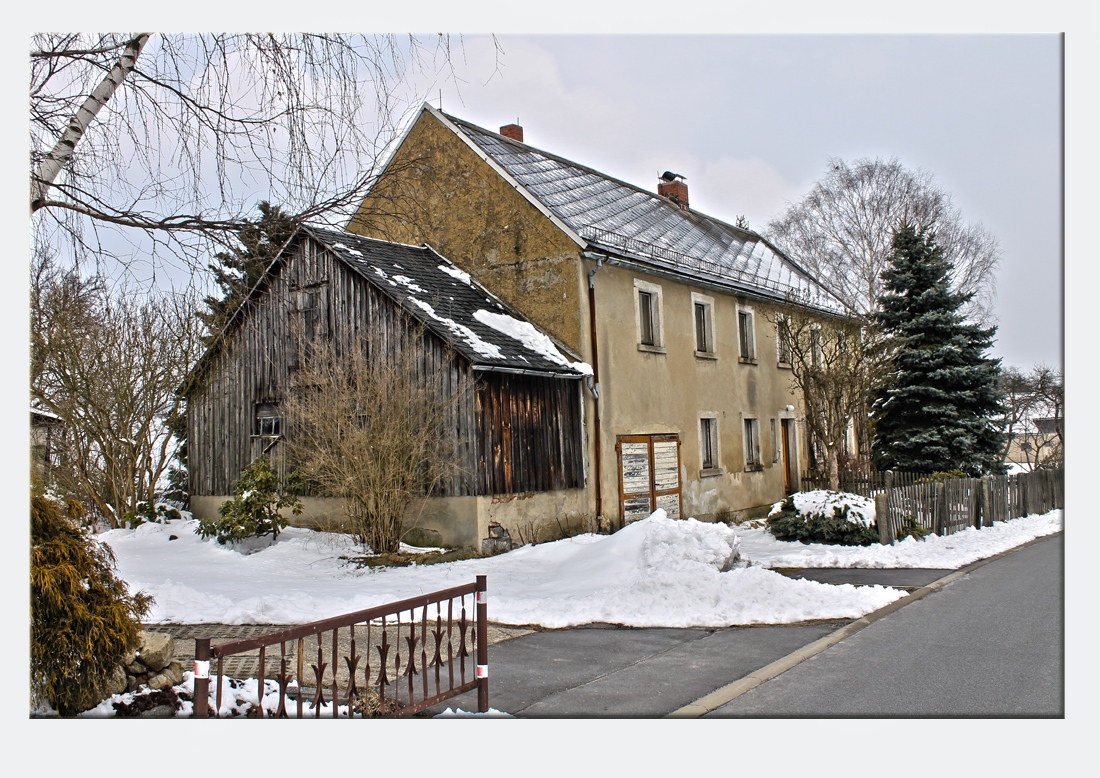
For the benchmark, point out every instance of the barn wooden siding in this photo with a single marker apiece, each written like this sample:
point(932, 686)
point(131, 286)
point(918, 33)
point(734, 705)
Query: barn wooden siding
point(514, 434)
point(326, 299)
point(529, 434)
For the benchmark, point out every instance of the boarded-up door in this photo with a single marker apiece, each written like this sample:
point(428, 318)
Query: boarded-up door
point(649, 476)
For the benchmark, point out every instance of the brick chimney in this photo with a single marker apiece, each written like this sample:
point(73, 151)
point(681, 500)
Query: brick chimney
point(673, 187)
point(513, 131)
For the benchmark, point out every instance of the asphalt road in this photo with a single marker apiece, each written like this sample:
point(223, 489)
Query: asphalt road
point(988, 644)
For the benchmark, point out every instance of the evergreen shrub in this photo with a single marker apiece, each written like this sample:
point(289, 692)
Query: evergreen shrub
point(254, 510)
point(837, 529)
point(83, 618)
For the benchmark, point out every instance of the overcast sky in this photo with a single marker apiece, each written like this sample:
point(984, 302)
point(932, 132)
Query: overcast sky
point(751, 121)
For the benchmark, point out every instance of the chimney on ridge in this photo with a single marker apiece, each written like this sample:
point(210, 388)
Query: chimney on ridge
point(673, 187)
point(513, 131)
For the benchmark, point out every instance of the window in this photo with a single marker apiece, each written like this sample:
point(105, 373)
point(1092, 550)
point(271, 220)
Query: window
point(703, 309)
point(647, 309)
point(645, 314)
point(701, 340)
point(708, 440)
point(775, 444)
point(268, 422)
point(745, 335)
point(782, 339)
point(752, 445)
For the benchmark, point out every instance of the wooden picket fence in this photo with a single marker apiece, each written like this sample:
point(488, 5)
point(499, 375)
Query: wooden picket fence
point(954, 505)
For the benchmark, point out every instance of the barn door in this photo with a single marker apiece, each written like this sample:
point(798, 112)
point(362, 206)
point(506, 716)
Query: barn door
point(649, 476)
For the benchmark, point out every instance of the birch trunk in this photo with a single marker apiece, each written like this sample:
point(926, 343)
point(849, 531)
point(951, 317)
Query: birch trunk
point(47, 172)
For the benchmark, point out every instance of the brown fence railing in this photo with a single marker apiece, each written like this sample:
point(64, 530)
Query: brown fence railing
point(953, 505)
point(862, 482)
point(390, 666)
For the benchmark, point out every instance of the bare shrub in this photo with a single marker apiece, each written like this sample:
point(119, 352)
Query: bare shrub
point(378, 433)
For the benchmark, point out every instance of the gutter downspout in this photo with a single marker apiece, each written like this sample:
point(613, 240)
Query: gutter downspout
point(594, 382)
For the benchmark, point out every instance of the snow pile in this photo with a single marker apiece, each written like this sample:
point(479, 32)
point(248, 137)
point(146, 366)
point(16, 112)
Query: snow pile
point(948, 552)
point(825, 502)
point(457, 274)
point(657, 572)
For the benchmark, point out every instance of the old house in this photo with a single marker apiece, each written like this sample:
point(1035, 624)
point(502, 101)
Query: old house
point(689, 407)
point(519, 433)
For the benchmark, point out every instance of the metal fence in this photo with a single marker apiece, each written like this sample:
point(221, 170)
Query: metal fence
point(950, 506)
point(391, 667)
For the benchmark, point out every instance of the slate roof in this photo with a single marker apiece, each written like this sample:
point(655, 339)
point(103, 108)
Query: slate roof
point(451, 305)
point(632, 222)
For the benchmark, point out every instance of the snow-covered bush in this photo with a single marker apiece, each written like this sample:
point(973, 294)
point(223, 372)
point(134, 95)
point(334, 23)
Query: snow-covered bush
point(823, 516)
point(254, 510)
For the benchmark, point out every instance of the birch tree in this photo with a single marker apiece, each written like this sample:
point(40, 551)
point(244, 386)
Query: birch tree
point(178, 136)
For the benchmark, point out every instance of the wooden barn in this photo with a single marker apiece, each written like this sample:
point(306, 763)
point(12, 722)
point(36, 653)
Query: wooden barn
point(520, 432)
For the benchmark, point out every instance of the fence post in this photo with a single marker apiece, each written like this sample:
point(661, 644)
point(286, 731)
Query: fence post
point(482, 646)
point(889, 480)
point(939, 507)
point(202, 679)
point(985, 511)
point(882, 518)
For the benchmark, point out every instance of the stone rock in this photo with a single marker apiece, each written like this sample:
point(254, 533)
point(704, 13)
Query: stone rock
point(135, 667)
point(159, 712)
point(116, 682)
point(168, 677)
point(156, 650)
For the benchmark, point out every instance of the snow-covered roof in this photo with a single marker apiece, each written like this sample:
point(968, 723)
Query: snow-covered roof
point(605, 213)
point(477, 324)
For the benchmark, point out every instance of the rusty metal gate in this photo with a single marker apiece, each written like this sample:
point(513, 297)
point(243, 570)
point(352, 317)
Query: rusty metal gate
point(649, 476)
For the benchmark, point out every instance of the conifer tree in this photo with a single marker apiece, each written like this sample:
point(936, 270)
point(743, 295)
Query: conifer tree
point(237, 272)
point(937, 410)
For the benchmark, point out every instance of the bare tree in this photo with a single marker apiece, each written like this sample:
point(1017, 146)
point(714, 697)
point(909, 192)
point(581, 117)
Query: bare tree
point(835, 364)
point(108, 367)
point(842, 232)
point(1035, 415)
point(177, 135)
point(376, 432)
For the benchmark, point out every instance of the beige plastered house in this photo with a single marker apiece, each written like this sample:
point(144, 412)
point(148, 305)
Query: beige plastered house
point(690, 405)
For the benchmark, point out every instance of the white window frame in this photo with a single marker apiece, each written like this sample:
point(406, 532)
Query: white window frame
point(657, 319)
point(748, 312)
point(708, 351)
point(750, 424)
point(715, 467)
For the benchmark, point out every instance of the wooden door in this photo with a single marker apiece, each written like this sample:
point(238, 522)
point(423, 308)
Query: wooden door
point(788, 465)
point(649, 476)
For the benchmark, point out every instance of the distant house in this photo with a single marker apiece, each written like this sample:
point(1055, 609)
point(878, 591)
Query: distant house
point(689, 407)
point(520, 433)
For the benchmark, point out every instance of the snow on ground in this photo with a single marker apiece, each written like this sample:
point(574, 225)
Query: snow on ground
point(655, 572)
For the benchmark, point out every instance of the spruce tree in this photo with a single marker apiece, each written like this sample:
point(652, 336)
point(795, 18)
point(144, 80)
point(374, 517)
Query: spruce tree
point(937, 411)
point(238, 271)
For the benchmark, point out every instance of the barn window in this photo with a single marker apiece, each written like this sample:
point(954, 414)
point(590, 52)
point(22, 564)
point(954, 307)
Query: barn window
point(268, 421)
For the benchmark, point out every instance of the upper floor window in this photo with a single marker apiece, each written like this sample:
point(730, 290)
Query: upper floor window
point(648, 318)
point(268, 421)
point(703, 311)
point(782, 340)
point(746, 340)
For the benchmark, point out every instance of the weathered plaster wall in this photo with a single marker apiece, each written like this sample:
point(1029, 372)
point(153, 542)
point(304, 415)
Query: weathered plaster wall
point(440, 192)
point(650, 392)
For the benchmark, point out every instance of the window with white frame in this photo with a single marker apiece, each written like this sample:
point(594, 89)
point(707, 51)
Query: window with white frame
point(647, 307)
point(703, 313)
point(268, 421)
point(752, 444)
point(745, 338)
point(708, 442)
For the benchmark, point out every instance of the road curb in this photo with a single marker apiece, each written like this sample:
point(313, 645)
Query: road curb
point(720, 697)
